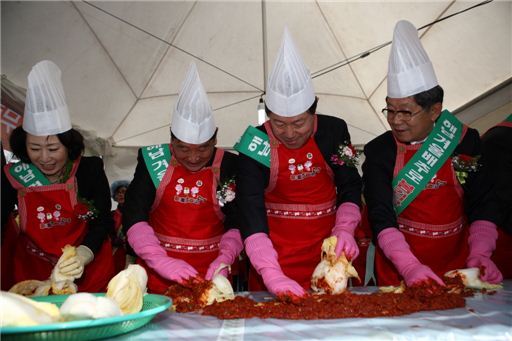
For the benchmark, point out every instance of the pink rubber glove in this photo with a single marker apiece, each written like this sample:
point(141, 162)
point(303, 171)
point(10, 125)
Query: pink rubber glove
point(482, 242)
point(348, 217)
point(146, 245)
point(230, 247)
point(395, 247)
point(263, 257)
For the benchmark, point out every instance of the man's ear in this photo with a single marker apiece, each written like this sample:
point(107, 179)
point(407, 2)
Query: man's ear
point(171, 146)
point(435, 111)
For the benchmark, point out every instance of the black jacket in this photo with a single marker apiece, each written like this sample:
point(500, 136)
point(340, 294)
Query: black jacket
point(497, 153)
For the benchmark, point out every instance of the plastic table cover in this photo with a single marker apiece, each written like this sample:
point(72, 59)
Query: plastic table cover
point(485, 318)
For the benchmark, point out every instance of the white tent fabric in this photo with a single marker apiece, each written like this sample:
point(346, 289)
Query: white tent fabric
point(122, 62)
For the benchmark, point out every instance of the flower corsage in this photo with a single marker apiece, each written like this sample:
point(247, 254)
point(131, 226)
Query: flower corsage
point(226, 191)
point(346, 155)
point(85, 209)
point(463, 165)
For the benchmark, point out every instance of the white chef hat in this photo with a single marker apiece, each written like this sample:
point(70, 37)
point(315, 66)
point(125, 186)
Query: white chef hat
point(289, 88)
point(192, 121)
point(409, 70)
point(46, 111)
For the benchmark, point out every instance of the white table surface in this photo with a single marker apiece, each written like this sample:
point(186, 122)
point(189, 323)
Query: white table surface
point(485, 318)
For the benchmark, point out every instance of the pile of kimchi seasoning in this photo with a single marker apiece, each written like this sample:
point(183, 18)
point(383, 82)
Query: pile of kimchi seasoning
point(419, 298)
point(191, 296)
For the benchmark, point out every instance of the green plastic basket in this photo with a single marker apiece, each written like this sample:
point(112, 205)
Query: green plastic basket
point(88, 329)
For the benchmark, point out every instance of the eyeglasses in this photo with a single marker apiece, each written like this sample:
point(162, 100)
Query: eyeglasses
point(406, 115)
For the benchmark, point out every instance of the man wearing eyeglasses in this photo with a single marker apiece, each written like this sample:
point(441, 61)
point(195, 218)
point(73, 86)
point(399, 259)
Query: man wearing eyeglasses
point(428, 198)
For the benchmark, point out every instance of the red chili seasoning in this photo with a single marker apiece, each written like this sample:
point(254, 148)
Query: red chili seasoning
point(189, 296)
point(425, 296)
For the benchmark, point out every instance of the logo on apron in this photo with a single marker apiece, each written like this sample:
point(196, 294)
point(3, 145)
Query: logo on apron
point(48, 219)
point(301, 171)
point(186, 194)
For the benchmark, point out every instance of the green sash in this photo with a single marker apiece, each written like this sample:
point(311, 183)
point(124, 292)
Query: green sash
point(425, 163)
point(28, 175)
point(156, 158)
point(255, 144)
point(509, 118)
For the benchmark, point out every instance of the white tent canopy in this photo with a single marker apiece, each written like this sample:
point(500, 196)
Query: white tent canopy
point(123, 62)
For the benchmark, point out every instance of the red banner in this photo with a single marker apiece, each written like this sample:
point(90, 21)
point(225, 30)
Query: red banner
point(10, 120)
point(13, 103)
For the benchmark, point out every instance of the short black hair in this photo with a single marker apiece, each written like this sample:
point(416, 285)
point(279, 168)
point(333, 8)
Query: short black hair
point(71, 139)
point(173, 137)
point(427, 99)
point(311, 109)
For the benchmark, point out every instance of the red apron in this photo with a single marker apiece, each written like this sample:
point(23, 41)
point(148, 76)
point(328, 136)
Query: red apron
point(363, 237)
point(48, 221)
point(187, 219)
point(9, 238)
point(118, 242)
point(434, 224)
point(301, 208)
